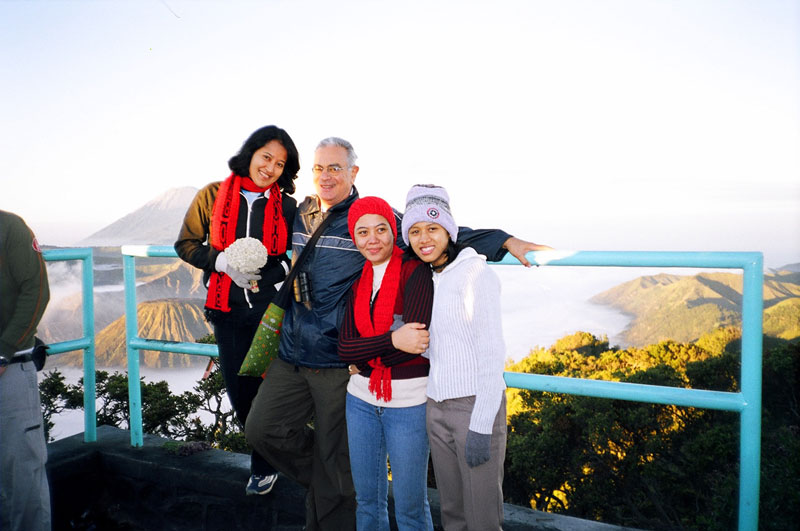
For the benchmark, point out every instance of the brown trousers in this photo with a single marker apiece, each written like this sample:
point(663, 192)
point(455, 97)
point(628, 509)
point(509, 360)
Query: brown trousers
point(277, 428)
point(471, 498)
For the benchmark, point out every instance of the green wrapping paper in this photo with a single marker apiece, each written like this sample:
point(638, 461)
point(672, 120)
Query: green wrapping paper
point(264, 347)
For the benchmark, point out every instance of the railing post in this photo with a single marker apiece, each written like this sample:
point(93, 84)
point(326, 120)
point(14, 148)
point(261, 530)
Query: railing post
point(86, 342)
point(131, 331)
point(89, 380)
point(134, 343)
point(750, 424)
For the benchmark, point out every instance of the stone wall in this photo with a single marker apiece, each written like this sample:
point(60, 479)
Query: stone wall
point(109, 482)
point(110, 485)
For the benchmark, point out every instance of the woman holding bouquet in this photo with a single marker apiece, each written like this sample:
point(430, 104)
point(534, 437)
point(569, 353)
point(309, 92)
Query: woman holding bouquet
point(252, 202)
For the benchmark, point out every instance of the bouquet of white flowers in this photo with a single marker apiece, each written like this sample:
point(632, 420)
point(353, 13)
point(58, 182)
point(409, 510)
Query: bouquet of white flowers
point(248, 255)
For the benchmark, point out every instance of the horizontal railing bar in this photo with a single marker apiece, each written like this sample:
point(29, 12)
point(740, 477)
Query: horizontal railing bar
point(723, 260)
point(69, 346)
point(704, 260)
point(627, 391)
point(163, 251)
point(52, 255)
point(197, 349)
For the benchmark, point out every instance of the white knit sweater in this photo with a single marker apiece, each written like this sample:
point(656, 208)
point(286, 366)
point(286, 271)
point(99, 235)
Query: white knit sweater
point(466, 348)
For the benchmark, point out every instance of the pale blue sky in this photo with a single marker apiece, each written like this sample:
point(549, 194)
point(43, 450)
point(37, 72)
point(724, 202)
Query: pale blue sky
point(604, 125)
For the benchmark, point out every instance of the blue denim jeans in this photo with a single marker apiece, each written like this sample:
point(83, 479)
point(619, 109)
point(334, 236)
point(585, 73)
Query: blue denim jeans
point(374, 433)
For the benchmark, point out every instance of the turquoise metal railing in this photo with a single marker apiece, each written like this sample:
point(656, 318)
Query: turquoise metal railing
point(135, 343)
point(747, 402)
point(85, 343)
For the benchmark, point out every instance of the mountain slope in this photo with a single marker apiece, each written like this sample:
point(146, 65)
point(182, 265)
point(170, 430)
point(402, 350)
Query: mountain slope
point(156, 223)
point(169, 320)
point(783, 319)
point(63, 319)
point(684, 308)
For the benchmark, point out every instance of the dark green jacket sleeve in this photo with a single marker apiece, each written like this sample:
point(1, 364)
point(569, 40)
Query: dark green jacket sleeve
point(24, 292)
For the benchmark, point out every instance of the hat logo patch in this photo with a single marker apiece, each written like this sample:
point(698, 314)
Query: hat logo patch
point(433, 213)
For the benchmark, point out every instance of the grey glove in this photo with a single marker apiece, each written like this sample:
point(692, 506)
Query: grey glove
point(239, 278)
point(478, 448)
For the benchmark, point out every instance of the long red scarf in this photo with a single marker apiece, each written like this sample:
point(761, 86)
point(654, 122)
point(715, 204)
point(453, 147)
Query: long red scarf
point(380, 319)
point(222, 233)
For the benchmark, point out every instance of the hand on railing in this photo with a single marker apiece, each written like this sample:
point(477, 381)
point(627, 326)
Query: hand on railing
point(519, 248)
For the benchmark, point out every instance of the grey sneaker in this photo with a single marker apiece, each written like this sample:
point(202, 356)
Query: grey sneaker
point(258, 485)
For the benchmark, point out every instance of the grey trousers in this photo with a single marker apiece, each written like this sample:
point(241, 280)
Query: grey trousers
point(277, 428)
point(471, 498)
point(24, 491)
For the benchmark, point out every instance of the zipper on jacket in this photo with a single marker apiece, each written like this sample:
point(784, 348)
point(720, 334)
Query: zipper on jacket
point(249, 213)
point(247, 233)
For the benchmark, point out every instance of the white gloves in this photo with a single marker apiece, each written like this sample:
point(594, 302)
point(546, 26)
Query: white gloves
point(239, 278)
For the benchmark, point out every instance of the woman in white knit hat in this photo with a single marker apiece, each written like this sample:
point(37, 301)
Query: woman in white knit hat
point(466, 408)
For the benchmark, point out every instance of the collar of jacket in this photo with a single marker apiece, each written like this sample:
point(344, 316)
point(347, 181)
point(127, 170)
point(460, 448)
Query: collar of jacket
point(310, 206)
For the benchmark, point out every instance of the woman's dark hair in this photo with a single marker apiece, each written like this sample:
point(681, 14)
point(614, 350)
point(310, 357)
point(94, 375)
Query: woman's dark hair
point(451, 251)
point(240, 163)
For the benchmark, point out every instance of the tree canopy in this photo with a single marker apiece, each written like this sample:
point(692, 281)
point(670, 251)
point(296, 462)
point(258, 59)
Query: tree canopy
point(650, 465)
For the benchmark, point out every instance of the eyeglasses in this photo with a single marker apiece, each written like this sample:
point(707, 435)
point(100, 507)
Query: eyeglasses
point(333, 169)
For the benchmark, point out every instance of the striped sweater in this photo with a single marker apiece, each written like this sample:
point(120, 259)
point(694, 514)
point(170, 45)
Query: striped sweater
point(467, 351)
point(413, 305)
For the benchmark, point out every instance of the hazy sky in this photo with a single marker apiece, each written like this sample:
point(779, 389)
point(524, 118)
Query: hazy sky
point(602, 125)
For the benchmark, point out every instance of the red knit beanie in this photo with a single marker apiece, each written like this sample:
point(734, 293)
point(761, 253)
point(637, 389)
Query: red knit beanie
point(370, 205)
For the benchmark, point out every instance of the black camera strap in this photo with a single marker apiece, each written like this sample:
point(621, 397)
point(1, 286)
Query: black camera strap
point(282, 297)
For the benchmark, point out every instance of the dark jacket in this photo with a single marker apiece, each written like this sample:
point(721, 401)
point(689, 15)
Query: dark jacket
point(193, 247)
point(24, 291)
point(309, 337)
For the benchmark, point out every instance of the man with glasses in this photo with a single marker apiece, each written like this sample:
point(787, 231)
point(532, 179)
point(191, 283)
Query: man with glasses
point(308, 382)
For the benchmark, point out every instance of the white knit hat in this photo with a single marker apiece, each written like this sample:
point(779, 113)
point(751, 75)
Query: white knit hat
point(431, 204)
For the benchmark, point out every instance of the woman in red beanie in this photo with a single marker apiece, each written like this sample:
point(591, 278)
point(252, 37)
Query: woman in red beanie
point(383, 333)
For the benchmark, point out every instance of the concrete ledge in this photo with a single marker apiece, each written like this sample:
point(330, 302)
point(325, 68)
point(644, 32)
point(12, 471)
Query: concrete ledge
point(152, 488)
point(109, 484)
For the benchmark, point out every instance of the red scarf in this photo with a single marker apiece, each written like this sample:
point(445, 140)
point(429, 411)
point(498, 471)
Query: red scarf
point(380, 319)
point(224, 216)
